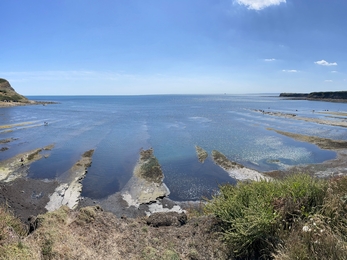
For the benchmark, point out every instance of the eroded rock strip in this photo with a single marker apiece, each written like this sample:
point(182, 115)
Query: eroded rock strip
point(236, 170)
point(68, 193)
point(146, 184)
point(201, 153)
point(18, 165)
point(321, 121)
point(323, 143)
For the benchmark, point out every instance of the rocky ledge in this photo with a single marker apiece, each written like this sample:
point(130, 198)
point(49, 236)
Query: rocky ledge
point(236, 170)
point(69, 191)
point(146, 184)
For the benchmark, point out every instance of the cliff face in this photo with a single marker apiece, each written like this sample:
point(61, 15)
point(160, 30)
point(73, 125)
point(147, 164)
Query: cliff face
point(329, 95)
point(8, 94)
point(301, 95)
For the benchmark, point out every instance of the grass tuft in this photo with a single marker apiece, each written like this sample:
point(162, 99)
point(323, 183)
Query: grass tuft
point(256, 216)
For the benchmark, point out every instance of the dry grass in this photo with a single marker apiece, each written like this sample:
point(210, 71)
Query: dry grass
point(91, 233)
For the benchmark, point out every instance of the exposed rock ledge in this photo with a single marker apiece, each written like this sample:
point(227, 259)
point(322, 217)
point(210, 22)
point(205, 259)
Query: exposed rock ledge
point(68, 193)
point(201, 153)
point(18, 165)
point(236, 170)
point(146, 184)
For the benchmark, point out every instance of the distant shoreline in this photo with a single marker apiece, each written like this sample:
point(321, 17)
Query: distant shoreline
point(329, 96)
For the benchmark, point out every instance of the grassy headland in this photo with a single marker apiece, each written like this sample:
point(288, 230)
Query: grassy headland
point(8, 94)
point(9, 97)
point(300, 217)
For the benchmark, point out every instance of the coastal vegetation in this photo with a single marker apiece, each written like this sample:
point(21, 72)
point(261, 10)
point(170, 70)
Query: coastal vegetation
point(299, 217)
point(150, 167)
point(260, 218)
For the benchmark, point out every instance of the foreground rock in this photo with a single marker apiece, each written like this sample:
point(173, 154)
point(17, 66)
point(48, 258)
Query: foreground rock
point(236, 170)
point(18, 165)
point(68, 193)
point(167, 219)
point(146, 184)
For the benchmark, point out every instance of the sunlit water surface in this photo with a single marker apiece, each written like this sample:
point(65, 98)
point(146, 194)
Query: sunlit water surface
point(117, 127)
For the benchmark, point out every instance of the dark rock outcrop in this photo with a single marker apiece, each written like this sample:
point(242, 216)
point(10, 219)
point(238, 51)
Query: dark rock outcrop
point(167, 219)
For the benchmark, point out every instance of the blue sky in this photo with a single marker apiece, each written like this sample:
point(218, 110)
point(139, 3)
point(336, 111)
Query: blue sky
point(114, 47)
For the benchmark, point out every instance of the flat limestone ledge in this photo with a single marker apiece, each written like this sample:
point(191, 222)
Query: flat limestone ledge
point(322, 143)
point(336, 122)
point(18, 165)
point(236, 170)
point(138, 190)
point(69, 192)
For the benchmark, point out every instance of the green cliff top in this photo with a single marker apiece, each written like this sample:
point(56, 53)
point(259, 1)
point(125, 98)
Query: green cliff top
point(8, 94)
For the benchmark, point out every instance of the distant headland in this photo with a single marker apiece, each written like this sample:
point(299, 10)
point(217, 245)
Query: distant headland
point(9, 97)
point(336, 96)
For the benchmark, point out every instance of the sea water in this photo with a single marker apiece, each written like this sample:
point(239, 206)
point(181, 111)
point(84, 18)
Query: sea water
point(118, 127)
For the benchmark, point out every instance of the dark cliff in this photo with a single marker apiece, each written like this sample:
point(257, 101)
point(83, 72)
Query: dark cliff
point(301, 95)
point(317, 95)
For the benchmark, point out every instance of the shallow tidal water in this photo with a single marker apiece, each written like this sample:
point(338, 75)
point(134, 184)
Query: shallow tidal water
point(117, 127)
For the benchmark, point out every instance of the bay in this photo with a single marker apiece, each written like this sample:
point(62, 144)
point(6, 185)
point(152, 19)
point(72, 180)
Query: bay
point(117, 127)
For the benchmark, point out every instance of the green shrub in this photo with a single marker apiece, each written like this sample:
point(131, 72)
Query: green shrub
point(256, 215)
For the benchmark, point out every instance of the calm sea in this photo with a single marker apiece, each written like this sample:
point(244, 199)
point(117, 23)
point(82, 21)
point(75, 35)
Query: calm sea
point(117, 127)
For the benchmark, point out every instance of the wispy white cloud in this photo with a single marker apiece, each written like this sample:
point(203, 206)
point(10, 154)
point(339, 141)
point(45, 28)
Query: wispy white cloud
point(62, 75)
point(259, 4)
point(269, 59)
point(333, 71)
point(290, 71)
point(325, 63)
point(328, 80)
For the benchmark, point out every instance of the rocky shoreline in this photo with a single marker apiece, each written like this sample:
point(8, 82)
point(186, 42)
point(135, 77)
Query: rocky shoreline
point(146, 192)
